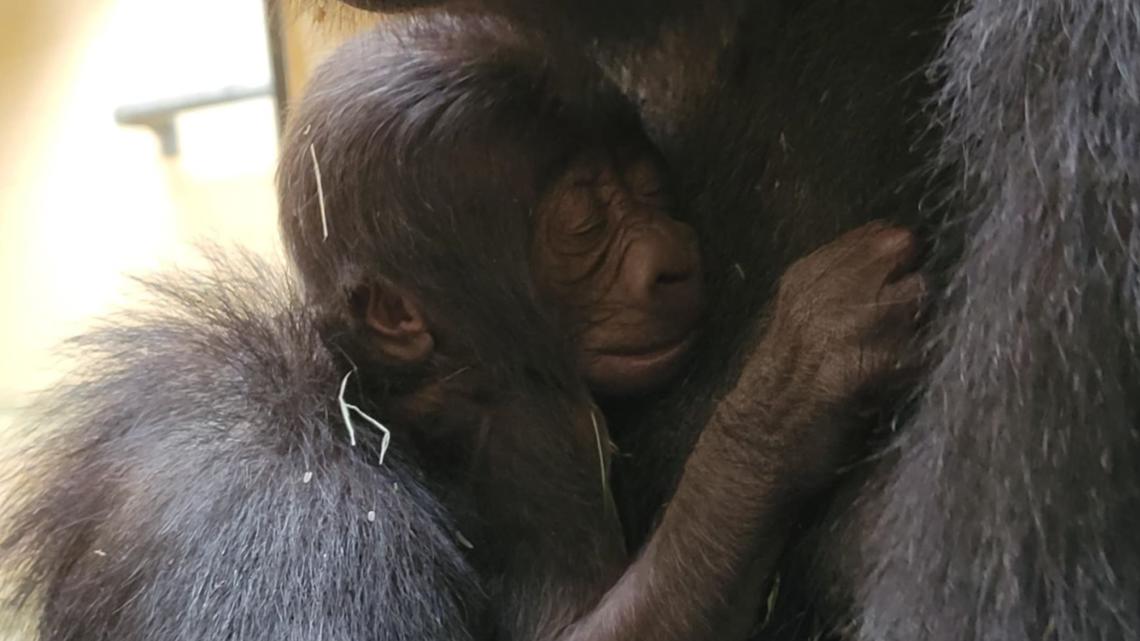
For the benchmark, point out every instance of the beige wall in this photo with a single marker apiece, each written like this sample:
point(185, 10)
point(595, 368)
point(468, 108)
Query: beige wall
point(84, 201)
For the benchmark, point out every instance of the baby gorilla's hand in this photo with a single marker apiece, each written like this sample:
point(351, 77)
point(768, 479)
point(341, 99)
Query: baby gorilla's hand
point(846, 313)
point(843, 319)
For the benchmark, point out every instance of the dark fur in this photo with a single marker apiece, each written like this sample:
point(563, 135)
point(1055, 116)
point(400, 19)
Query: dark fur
point(1012, 512)
point(463, 133)
point(1016, 504)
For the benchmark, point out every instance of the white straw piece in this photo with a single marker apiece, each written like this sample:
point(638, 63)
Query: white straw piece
point(320, 191)
point(346, 410)
point(601, 455)
point(464, 541)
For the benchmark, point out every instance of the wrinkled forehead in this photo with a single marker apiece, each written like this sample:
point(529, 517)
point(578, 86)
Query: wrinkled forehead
point(614, 165)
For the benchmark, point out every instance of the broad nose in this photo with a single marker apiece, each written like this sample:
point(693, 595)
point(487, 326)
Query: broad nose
point(662, 266)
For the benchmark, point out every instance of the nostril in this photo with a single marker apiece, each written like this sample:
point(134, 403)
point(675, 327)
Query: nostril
point(657, 269)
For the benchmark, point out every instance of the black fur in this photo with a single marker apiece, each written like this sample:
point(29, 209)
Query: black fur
point(1011, 512)
point(199, 485)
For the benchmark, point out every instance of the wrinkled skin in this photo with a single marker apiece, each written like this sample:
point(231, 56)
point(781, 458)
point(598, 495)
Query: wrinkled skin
point(626, 274)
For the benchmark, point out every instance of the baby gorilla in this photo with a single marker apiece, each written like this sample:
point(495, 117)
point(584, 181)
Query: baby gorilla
point(625, 275)
point(495, 238)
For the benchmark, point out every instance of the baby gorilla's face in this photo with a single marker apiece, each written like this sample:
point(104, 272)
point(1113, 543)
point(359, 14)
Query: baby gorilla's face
point(625, 274)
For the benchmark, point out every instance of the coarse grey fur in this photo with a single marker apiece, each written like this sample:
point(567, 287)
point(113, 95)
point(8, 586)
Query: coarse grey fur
point(198, 485)
point(1014, 510)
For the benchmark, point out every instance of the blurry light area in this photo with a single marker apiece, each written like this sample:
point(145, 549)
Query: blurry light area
point(84, 202)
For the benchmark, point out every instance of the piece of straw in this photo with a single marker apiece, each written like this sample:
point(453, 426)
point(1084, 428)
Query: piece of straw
point(320, 191)
point(457, 372)
point(346, 410)
point(770, 603)
point(601, 455)
point(464, 541)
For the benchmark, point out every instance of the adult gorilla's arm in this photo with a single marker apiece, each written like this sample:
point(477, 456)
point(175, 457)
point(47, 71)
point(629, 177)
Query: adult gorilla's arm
point(197, 489)
point(1015, 509)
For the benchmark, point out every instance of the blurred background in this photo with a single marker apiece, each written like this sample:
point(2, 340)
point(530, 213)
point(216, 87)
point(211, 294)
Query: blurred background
point(129, 131)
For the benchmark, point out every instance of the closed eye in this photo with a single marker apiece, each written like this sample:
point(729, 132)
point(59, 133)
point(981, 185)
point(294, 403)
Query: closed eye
point(589, 225)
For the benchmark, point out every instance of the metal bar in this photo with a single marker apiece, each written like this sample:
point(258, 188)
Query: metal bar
point(273, 26)
point(159, 115)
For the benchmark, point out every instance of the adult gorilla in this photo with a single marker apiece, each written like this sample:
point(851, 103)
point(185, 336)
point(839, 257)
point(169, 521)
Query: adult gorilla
point(1010, 507)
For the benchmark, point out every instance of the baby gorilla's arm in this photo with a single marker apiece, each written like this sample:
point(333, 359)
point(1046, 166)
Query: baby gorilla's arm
point(843, 320)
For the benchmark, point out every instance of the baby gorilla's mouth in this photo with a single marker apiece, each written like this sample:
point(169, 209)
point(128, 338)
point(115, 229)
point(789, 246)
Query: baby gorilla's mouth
point(634, 369)
point(653, 351)
point(643, 350)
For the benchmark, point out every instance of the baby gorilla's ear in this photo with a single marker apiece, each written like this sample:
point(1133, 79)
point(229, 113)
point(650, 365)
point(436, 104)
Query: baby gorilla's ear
point(400, 328)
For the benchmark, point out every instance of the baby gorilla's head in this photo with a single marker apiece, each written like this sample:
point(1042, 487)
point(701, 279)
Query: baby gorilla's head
point(624, 275)
point(609, 262)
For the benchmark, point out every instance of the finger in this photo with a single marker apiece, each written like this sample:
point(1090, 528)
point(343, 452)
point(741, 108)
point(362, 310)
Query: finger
point(858, 235)
point(901, 302)
point(892, 254)
point(888, 372)
point(894, 310)
point(846, 255)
